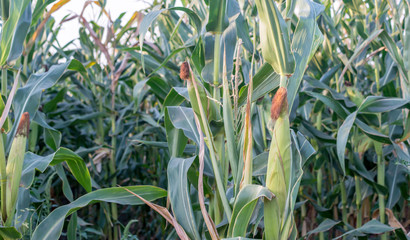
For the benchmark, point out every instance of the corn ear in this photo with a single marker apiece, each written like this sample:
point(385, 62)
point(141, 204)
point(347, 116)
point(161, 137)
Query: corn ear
point(275, 40)
point(15, 164)
point(278, 172)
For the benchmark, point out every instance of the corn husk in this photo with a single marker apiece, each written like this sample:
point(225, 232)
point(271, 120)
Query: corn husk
point(275, 40)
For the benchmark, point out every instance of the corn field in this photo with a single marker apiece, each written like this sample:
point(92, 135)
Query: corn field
point(206, 119)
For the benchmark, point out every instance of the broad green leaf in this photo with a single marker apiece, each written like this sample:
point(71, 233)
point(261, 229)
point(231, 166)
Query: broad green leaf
point(74, 162)
point(166, 60)
point(159, 87)
point(395, 175)
point(260, 163)
point(227, 47)
point(376, 104)
point(336, 96)
point(394, 53)
point(372, 227)
point(179, 195)
point(301, 150)
point(324, 226)
point(304, 148)
point(183, 118)
point(342, 137)
point(6, 125)
point(198, 55)
point(406, 43)
point(20, 34)
point(306, 40)
point(406, 132)
point(331, 103)
point(8, 31)
point(68, 193)
point(341, 111)
point(243, 208)
point(175, 137)
point(52, 137)
point(275, 40)
point(242, 30)
point(230, 130)
point(51, 105)
point(27, 98)
point(72, 227)
point(138, 92)
point(264, 81)
point(9, 233)
point(390, 73)
point(217, 18)
point(176, 96)
point(51, 227)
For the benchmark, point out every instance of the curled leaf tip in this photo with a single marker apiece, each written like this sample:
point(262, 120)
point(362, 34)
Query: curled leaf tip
point(184, 71)
point(279, 103)
point(24, 125)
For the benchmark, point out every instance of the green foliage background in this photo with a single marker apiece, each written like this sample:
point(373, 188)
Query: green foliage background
point(112, 121)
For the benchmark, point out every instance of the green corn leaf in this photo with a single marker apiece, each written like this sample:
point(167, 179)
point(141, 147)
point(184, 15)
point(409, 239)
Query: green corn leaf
point(406, 43)
point(217, 18)
point(20, 35)
point(75, 163)
point(376, 104)
point(6, 125)
point(210, 106)
point(394, 53)
point(10, 37)
point(51, 227)
point(52, 137)
point(264, 81)
point(306, 39)
point(342, 137)
point(175, 137)
point(9, 233)
point(179, 195)
point(176, 96)
point(243, 208)
point(183, 118)
point(301, 150)
point(275, 39)
point(72, 227)
point(230, 131)
point(159, 87)
point(27, 98)
point(372, 227)
point(324, 226)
